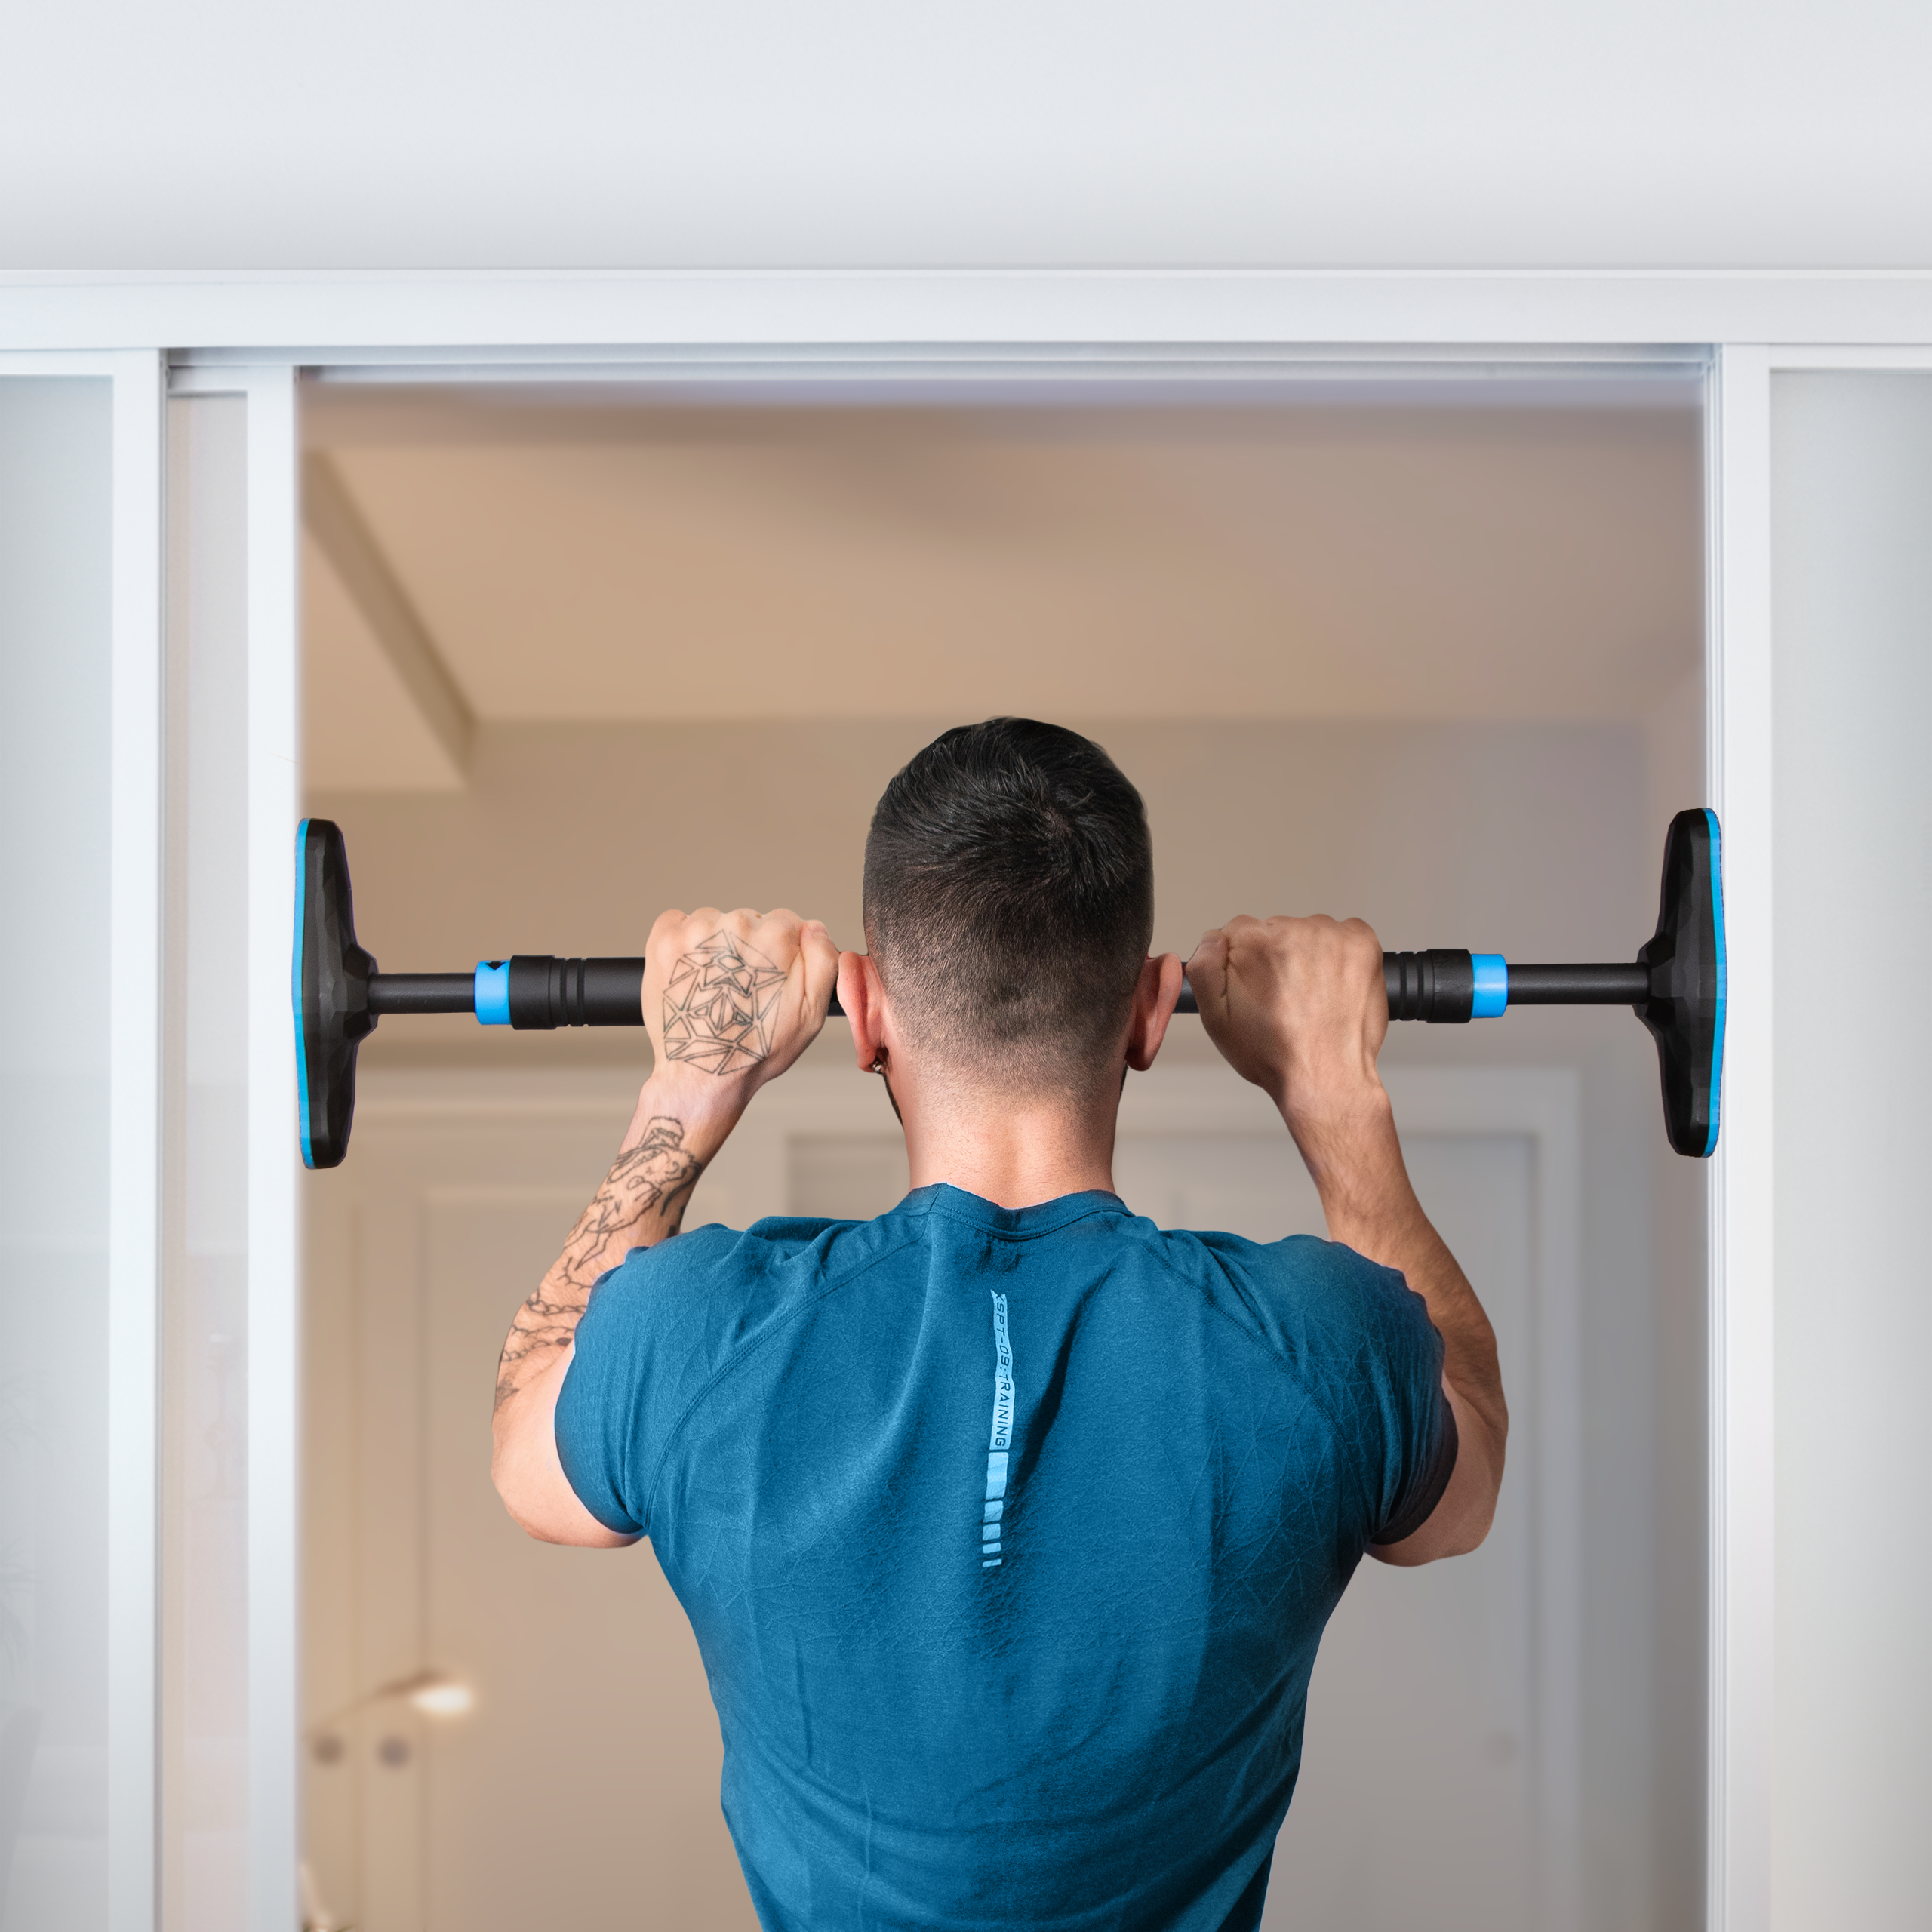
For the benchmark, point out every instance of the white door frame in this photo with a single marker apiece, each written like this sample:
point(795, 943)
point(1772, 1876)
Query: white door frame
point(847, 327)
point(268, 388)
point(1738, 1738)
point(1515, 1102)
point(275, 1370)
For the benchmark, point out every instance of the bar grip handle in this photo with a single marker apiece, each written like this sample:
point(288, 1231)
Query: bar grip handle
point(532, 992)
point(1438, 986)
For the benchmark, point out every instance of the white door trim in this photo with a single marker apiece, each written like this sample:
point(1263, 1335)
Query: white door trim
point(307, 315)
point(274, 1377)
point(274, 1362)
point(274, 1343)
point(1738, 724)
point(134, 1054)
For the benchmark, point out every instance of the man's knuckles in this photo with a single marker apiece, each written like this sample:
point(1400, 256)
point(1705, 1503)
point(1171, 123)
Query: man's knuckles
point(782, 929)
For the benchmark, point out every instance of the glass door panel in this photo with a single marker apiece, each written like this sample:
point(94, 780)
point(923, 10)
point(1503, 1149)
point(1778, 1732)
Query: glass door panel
point(57, 638)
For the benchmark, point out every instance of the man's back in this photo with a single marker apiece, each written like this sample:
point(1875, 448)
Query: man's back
point(1008, 1537)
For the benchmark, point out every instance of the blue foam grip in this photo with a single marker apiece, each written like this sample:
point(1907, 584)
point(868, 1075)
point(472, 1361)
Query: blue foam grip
point(1492, 998)
point(1723, 977)
point(493, 993)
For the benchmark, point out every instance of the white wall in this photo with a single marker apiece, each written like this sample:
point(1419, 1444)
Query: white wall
point(1852, 641)
point(633, 133)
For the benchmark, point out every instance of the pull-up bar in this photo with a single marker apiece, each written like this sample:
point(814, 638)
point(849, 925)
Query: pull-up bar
point(1676, 986)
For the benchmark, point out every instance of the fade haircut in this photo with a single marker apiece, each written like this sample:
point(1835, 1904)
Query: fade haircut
point(1009, 900)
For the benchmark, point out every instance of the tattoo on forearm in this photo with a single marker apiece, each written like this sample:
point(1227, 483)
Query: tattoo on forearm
point(720, 1005)
point(653, 1179)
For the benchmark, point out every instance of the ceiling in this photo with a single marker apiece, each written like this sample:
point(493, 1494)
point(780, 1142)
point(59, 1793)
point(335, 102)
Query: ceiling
point(1395, 556)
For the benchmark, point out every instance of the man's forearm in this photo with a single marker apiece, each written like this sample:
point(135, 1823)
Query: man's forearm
point(731, 1000)
point(1355, 1157)
point(641, 1202)
point(1297, 1006)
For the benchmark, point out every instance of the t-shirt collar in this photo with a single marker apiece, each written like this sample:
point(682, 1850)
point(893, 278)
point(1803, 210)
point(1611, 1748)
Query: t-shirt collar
point(942, 1197)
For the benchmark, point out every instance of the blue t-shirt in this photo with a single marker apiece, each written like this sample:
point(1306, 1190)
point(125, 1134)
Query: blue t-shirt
point(1008, 1537)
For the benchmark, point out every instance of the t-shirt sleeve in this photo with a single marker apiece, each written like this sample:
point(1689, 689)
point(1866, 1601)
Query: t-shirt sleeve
point(1404, 1427)
point(1415, 1508)
point(659, 1329)
point(1363, 1345)
point(602, 1407)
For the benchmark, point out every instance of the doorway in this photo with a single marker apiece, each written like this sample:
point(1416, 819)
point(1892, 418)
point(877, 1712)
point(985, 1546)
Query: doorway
point(1425, 651)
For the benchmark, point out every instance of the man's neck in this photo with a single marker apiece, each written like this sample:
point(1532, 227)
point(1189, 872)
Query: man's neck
point(1014, 1150)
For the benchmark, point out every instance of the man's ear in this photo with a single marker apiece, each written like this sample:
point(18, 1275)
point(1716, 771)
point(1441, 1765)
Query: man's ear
point(862, 993)
point(1154, 1000)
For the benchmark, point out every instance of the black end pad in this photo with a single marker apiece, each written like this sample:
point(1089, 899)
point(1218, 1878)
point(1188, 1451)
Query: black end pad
point(332, 1016)
point(1685, 1010)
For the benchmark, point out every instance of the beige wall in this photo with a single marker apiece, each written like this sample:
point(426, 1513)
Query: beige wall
point(1529, 839)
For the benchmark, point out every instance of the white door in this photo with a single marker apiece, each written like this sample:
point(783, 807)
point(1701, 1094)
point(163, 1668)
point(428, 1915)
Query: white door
point(1418, 1803)
point(582, 1788)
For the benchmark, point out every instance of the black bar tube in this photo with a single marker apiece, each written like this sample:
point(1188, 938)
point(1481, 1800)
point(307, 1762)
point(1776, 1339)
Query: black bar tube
point(1580, 986)
point(422, 992)
point(607, 992)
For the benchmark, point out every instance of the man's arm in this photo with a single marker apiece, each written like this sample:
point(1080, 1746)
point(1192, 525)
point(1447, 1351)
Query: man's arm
point(761, 998)
point(641, 1203)
point(1298, 1007)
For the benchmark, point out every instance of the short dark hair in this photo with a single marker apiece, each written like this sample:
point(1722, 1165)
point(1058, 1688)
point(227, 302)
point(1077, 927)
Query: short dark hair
point(1009, 898)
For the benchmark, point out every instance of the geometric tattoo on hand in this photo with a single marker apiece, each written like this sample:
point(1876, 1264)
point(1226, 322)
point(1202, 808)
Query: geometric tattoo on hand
point(719, 1006)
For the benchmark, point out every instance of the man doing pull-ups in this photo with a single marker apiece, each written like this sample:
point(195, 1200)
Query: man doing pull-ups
point(1007, 1523)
